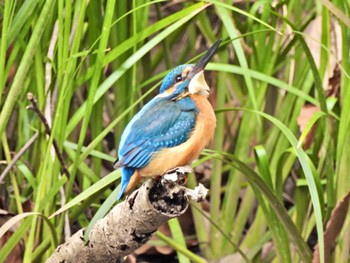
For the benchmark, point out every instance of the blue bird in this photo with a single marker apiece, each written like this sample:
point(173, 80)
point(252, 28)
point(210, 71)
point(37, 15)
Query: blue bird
point(172, 129)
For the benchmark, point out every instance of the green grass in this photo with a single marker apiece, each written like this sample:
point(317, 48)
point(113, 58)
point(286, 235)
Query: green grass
point(93, 64)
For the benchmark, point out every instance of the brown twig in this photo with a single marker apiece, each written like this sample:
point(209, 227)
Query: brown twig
point(35, 108)
point(17, 156)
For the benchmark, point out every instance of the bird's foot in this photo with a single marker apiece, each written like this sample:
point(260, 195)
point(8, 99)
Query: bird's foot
point(178, 174)
point(176, 178)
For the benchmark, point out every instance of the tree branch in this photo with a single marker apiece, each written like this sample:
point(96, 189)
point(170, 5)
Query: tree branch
point(36, 109)
point(131, 223)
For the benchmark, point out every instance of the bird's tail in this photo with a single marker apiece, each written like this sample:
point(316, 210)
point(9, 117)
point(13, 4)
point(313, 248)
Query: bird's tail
point(127, 172)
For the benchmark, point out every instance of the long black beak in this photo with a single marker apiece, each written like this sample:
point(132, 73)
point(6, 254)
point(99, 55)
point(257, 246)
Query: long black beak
point(201, 64)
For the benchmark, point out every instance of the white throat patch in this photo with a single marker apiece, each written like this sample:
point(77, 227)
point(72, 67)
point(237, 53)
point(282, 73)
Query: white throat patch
point(198, 85)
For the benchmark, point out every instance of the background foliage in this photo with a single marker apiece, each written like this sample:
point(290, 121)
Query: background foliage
point(278, 165)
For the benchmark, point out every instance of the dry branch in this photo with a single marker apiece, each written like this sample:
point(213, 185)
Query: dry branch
point(18, 156)
point(35, 108)
point(131, 223)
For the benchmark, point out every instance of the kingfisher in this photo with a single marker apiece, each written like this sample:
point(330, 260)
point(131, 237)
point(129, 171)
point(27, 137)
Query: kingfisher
point(172, 129)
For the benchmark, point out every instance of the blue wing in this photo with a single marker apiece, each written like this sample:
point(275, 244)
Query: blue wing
point(160, 124)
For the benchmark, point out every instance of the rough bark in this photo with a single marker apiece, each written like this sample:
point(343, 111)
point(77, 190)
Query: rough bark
point(131, 223)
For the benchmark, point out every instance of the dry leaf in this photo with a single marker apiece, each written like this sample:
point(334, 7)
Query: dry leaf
point(17, 253)
point(333, 229)
point(307, 111)
point(313, 40)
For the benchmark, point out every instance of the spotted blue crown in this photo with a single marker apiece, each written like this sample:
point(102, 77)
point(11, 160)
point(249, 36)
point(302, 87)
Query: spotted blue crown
point(169, 79)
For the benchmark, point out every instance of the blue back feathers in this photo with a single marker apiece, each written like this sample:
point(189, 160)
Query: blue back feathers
point(162, 123)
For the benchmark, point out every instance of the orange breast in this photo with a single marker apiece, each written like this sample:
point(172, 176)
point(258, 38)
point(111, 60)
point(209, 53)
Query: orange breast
point(186, 152)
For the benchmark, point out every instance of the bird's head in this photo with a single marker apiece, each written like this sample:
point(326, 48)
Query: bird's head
point(188, 79)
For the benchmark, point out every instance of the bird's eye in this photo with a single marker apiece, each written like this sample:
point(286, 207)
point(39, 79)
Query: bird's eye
point(178, 78)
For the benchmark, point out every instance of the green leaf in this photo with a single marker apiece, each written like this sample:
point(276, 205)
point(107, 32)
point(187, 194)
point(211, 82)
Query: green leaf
point(102, 211)
point(178, 237)
point(304, 161)
point(21, 74)
point(189, 254)
point(104, 182)
point(17, 218)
